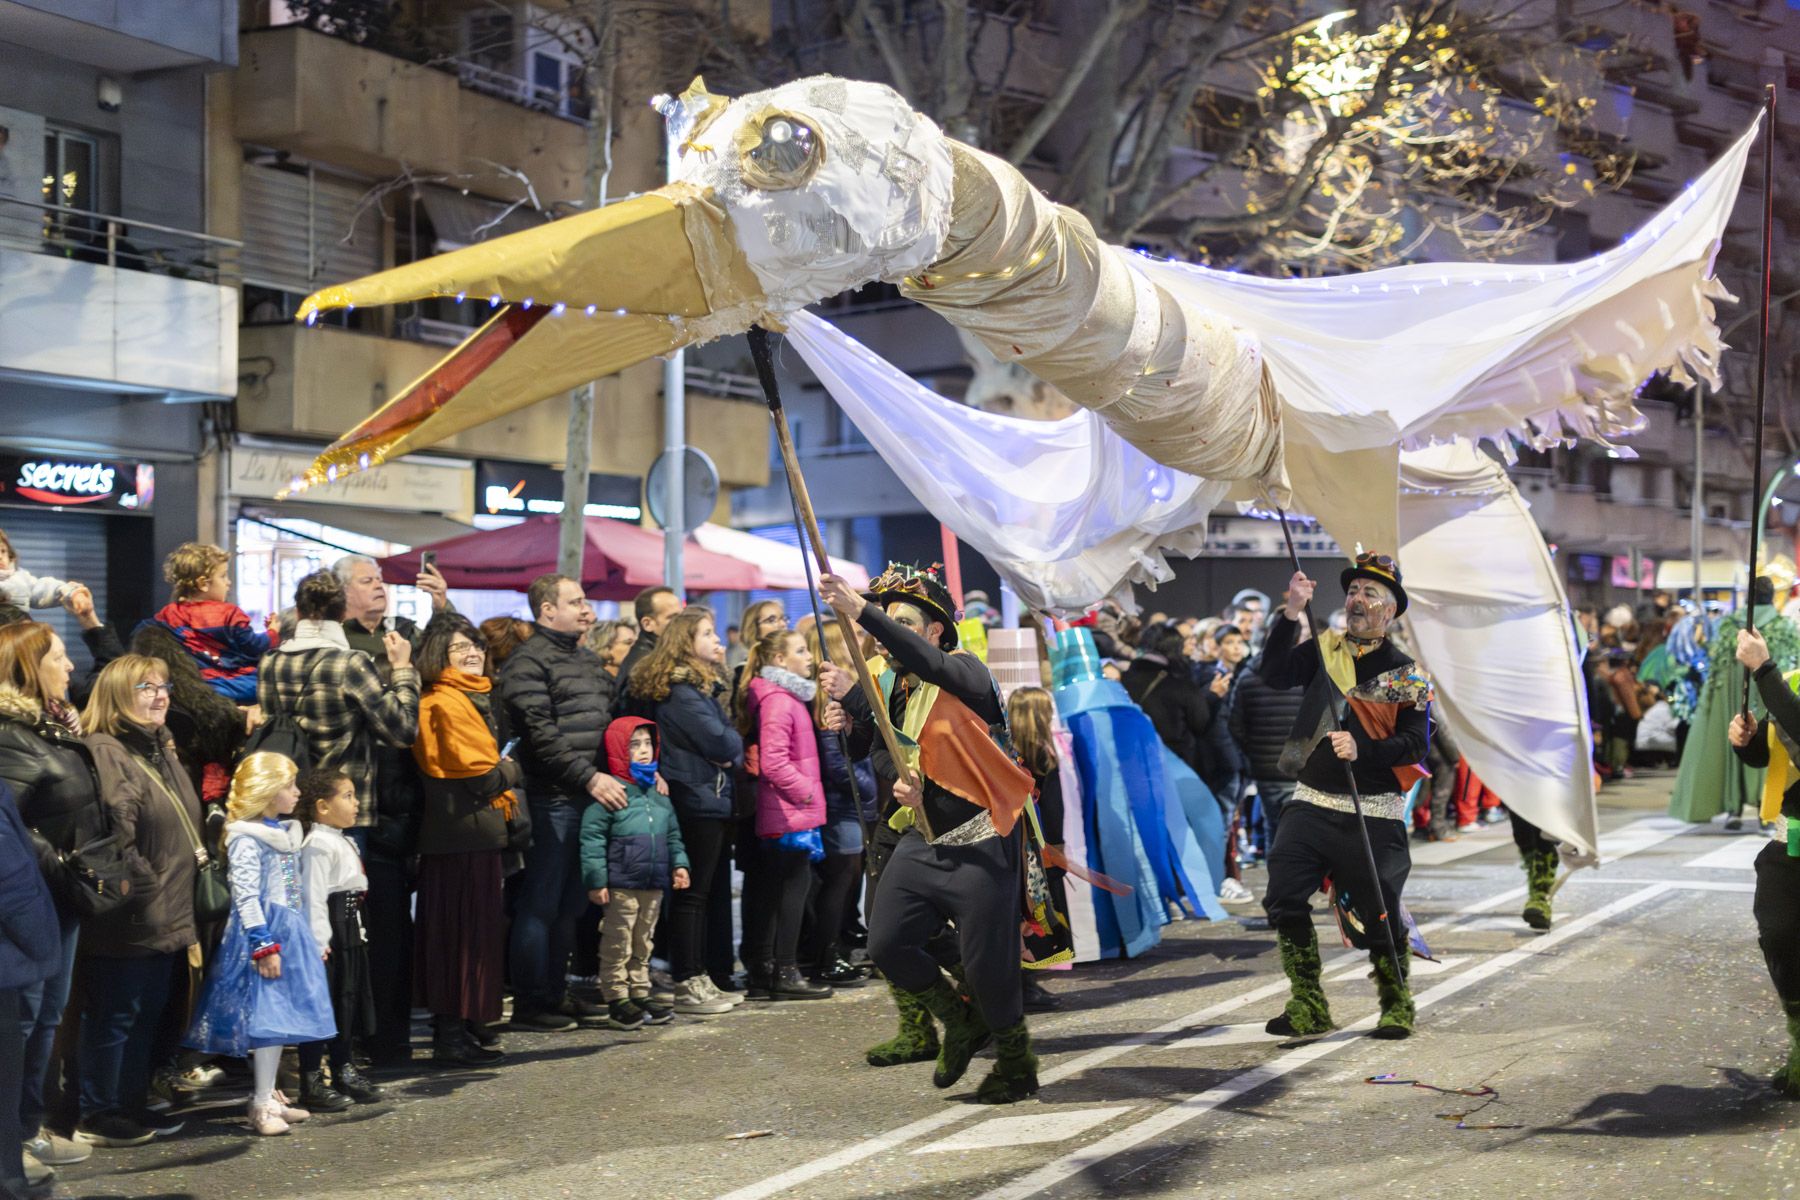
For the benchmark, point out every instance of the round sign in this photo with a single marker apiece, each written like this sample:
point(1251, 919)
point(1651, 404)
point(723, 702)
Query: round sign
point(700, 488)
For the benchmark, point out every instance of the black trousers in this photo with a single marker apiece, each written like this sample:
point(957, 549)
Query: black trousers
point(974, 887)
point(704, 840)
point(1776, 906)
point(1526, 836)
point(772, 928)
point(830, 900)
point(1313, 842)
point(12, 1075)
point(387, 916)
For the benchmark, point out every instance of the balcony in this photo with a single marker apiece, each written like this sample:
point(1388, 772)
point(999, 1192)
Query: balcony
point(129, 36)
point(335, 102)
point(92, 301)
point(319, 382)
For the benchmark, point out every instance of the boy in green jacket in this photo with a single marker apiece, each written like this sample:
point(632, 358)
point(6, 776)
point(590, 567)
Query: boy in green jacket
point(629, 857)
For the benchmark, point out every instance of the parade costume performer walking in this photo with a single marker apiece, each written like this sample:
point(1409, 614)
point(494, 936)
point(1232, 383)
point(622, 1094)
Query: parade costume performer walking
point(960, 851)
point(1774, 743)
point(1384, 735)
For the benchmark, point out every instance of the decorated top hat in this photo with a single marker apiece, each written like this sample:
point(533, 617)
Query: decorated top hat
point(921, 587)
point(1378, 568)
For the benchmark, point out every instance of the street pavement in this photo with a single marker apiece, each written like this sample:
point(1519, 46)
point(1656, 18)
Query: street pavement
point(1623, 1053)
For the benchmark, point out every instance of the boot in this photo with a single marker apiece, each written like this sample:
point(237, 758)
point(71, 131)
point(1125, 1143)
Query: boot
point(1396, 999)
point(790, 984)
point(759, 981)
point(486, 1036)
point(1787, 1080)
point(1540, 877)
point(318, 1096)
point(451, 1046)
point(965, 1032)
point(1014, 1076)
point(917, 1039)
point(1307, 1012)
point(354, 1084)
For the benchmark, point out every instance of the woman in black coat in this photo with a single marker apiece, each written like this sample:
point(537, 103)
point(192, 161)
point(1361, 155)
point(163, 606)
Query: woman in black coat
point(53, 778)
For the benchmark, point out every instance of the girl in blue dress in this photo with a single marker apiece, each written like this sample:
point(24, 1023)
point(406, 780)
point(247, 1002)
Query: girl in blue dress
point(266, 988)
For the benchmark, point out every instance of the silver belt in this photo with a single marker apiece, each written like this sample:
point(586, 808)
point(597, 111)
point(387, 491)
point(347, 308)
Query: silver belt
point(1391, 805)
point(978, 828)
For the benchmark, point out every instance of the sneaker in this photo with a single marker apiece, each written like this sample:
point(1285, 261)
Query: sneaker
point(55, 1150)
point(691, 997)
point(266, 1120)
point(159, 1124)
point(586, 1014)
point(1471, 827)
point(1233, 892)
point(198, 1079)
point(655, 1013)
point(542, 1022)
point(113, 1130)
point(623, 1014)
point(662, 986)
point(38, 1177)
point(713, 993)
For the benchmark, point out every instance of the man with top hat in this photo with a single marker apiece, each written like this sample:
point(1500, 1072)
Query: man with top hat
point(1385, 702)
point(954, 804)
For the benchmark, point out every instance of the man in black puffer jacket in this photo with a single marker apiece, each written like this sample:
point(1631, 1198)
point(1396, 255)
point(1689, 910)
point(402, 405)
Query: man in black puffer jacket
point(1161, 681)
point(1261, 718)
point(559, 709)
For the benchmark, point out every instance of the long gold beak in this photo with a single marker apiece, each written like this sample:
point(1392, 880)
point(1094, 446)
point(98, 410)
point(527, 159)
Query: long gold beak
point(574, 301)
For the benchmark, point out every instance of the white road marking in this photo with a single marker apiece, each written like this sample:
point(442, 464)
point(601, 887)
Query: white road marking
point(1224, 1035)
point(1628, 840)
point(1039, 1127)
point(1738, 854)
point(1187, 1109)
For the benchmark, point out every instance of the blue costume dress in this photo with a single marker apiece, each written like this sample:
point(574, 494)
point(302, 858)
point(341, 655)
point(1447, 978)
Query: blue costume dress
point(239, 1010)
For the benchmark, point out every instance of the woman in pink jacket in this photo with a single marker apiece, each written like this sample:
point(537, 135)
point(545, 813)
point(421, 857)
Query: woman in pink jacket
point(774, 710)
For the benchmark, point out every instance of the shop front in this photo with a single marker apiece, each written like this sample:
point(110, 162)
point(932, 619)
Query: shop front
point(276, 543)
point(87, 520)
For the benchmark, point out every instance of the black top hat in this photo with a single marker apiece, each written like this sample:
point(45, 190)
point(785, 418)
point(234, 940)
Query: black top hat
point(921, 587)
point(1381, 569)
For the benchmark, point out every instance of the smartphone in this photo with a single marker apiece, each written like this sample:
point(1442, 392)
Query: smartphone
point(427, 561)
point(506, 750)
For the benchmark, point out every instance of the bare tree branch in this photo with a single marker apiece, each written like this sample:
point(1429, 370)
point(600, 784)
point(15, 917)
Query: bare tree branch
point(1100, 41)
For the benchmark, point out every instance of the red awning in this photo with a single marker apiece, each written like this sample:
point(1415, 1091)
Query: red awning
point(621, 559)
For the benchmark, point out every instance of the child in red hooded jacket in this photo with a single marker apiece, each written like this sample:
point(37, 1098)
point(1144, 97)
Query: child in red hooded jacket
point(628, 857)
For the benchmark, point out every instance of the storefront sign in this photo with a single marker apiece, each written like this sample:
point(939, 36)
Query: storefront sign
point(1254, 537)
point(52, 481)
point(1621, 573)
point(506, 489)
point(260, 474)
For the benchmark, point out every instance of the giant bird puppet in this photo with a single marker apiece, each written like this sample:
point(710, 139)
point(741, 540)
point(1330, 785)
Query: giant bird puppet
point(1198, 386)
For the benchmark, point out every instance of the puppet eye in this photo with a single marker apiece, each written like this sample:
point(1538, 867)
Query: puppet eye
point(786, 152)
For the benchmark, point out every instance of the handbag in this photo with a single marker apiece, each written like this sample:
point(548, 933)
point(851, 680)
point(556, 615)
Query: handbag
point(212, 890)
point(93, 879)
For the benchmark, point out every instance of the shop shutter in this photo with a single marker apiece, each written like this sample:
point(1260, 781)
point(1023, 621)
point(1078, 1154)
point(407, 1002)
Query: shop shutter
point(68, 546)
point(295, 223)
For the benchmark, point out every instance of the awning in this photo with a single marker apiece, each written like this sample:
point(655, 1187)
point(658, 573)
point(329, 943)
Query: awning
point(1676, 573)
point(620, 560)
point(398, 528)
point(781, 565)
point(456, 218)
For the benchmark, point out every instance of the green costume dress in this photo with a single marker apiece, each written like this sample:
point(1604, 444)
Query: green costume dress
point(1712, 780)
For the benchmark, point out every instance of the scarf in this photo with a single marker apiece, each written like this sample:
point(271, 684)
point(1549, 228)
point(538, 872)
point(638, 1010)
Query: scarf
point(644, 774)
point(61, 712)
point(802, 688)
point(943, 740)
point(315, 635)
point(455, 740)
point(1784, 753)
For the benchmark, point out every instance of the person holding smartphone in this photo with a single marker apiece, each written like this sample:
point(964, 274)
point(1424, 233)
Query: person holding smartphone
point(460, 944)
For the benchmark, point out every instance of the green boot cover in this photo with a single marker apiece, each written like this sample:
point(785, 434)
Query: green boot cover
point(1307, 1013)
point(1014, 1076)
point(1787, 1080)
point(917, 1039)
point(1540, 877)
point(1396, 999)
point(965, 1032)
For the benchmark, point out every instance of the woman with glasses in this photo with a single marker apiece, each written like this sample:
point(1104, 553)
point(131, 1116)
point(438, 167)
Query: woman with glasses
point(130, 958)
point(459, 953)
